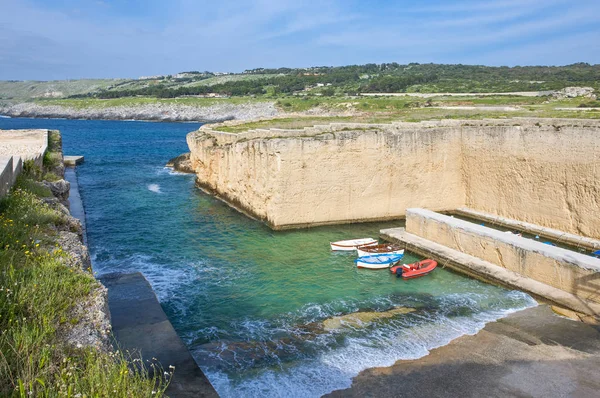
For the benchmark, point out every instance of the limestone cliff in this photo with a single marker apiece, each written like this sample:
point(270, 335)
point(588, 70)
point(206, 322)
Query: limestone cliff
point(541, 171)
point(332, 177)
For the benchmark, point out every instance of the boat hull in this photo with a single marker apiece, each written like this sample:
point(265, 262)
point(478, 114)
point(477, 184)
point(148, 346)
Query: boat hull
point(416, 270)
point(362, 253)
point(382, 261)
point(350, 245)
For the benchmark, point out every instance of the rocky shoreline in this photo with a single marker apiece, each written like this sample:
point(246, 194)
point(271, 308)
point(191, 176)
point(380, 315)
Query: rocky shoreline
point(164, 112)
point(93, 326)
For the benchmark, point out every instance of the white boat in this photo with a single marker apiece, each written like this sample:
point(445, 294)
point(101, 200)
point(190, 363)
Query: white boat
point(352, 244)
point(380, 261)
point(372, 250)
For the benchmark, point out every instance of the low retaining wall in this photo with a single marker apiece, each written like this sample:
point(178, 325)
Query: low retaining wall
point(17, 147)
point(563, 269)
point(10, 168)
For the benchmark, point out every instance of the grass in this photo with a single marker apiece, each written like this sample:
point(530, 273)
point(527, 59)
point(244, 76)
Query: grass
point(408, 115)
point(37, 294)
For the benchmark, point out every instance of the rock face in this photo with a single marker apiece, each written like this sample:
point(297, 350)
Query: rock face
point(181, 163)
point(546, 174)
point(539, 171)
point(93, 317)
point(60, 189)
point(574, 92)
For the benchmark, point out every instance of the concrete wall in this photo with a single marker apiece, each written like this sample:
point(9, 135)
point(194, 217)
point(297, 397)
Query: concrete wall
point(539, 171)
point(569, 271)
point(16, 147)
point(325, 177)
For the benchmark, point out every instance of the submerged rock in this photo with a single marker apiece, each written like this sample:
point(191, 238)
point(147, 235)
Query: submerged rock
point(181, 163)
point(362, 319)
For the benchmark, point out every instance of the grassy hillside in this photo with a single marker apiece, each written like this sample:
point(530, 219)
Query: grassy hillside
point(326, 81)
point(22, 90)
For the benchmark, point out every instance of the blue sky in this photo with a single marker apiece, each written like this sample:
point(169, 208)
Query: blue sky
point(44, 39)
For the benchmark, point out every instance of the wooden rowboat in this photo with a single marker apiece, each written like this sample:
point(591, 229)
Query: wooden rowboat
point(380, 261)
point(414, 270)
point(352, 244)
point(385, 248)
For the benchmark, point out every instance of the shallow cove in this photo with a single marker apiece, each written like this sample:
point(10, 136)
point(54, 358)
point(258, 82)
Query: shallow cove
point(249, 302)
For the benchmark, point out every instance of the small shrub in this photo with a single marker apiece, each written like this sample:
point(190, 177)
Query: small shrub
point(31, 170)
point(33, 187)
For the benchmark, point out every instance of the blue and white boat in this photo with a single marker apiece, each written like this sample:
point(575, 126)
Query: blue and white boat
point(380, 261)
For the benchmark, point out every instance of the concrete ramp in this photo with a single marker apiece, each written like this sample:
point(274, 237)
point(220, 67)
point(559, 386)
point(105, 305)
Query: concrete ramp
point(140, 324)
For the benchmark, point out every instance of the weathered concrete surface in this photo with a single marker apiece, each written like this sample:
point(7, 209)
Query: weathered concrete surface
point(72, 161)
point(531, 353)
point(345, 176)
point(488, 272)
point(140, 324)
point(544, 232)
point(572, 272)
point(542, 171)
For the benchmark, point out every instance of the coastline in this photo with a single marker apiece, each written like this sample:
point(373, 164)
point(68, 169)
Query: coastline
point(532, 352)
point(156, 112)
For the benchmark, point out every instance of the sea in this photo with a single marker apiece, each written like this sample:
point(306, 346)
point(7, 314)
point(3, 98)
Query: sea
point(252, 304)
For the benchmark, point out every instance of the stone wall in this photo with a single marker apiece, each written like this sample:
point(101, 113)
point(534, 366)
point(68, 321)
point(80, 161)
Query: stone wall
point(541, 171)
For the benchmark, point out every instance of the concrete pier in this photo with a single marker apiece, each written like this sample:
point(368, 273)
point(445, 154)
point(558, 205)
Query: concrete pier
point(568, 279)
point(140, 324)
point(75, 203)
point(72, 161)
point(488, 272)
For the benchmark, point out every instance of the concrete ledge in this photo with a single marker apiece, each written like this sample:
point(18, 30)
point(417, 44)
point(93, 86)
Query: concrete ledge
point(563, 269)
point(72, 161)
point(548, 233)
point(488, 272)
point(140, 324)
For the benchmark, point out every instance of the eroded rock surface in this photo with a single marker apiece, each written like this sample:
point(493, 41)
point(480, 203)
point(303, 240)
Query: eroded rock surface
point(181, 163)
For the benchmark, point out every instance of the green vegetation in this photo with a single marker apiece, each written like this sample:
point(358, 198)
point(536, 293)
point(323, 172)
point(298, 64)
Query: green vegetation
point(38, 293)
point(369, 78)
point(386, 110)
point(326, 81)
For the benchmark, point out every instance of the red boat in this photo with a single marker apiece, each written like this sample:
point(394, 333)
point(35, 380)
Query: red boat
point(414, 270)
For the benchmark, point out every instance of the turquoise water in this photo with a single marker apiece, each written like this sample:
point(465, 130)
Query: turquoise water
point(249, 302)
